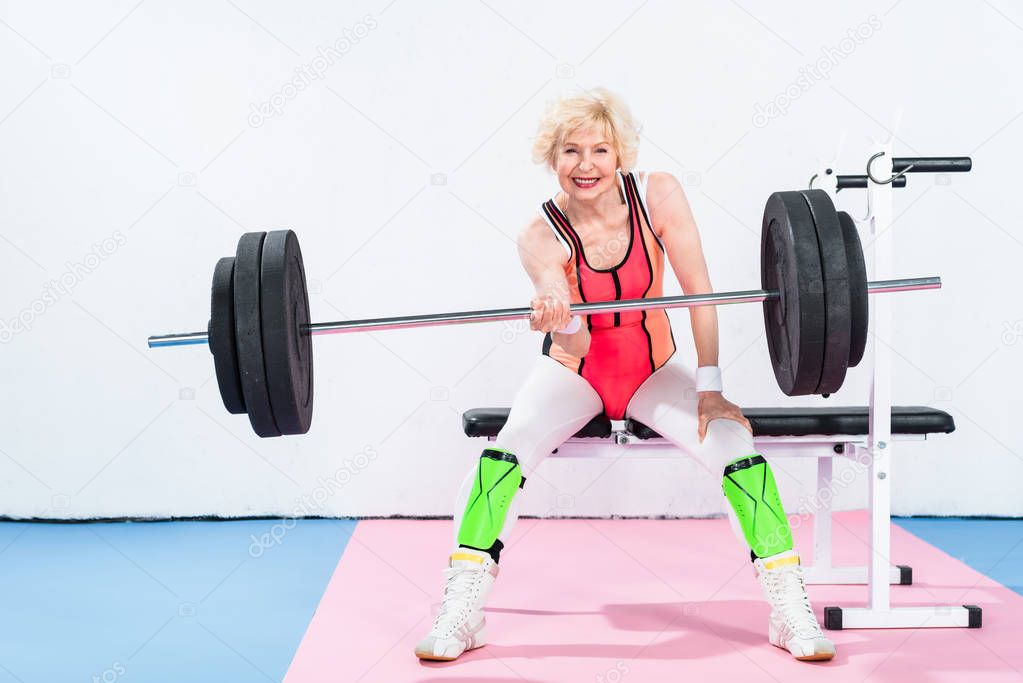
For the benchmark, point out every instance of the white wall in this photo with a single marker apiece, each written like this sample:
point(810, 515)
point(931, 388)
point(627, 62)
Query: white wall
point(135, 124)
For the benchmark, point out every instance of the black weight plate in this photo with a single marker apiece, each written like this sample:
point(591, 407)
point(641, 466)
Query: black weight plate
point(790, 262)
point(835, 271)
point(221, 336)
point(859, 305)
point(288, 353)
point(249, 335)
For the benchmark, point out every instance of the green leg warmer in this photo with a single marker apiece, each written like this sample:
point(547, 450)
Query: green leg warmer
point(749, 486)
point(498, 477)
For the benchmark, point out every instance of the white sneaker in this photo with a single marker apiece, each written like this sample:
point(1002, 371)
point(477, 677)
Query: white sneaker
point(793, 625)
point(461, 626)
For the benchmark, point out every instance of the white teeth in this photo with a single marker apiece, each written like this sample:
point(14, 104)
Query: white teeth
point(580, 181)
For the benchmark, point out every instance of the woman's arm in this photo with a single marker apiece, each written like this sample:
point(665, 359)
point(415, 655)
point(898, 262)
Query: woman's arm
point(544, 259)
point(672, 221)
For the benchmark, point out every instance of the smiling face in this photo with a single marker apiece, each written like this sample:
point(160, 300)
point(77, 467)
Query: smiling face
point(586, 163)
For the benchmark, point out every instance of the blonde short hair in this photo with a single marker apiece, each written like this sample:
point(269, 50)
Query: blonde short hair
point(597, 107)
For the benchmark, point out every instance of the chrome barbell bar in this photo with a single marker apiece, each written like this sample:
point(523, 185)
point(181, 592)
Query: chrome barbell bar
point(499, 314)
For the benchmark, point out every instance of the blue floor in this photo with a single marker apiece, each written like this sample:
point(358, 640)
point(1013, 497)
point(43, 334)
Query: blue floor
point(993, 547)
point(230, 601)
point(161, 601)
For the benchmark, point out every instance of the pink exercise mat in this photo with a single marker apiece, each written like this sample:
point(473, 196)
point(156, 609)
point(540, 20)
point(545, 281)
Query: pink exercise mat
point(618, 601)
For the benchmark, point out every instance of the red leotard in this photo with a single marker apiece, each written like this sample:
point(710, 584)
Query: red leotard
point(626, 347)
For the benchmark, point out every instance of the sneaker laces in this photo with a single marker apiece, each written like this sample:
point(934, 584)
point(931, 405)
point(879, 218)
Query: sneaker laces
point(460, 584)
point(787, 593)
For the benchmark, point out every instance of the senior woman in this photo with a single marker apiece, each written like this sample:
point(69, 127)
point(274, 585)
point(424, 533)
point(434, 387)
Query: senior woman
point(604, 236)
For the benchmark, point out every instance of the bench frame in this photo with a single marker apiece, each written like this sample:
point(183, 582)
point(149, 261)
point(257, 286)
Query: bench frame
point(824, 448)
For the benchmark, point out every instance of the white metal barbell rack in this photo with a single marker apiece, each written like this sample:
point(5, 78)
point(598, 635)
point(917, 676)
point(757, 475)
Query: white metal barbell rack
point(879, 612)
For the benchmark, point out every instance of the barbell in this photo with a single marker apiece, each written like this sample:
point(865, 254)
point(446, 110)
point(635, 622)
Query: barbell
point(814, 292)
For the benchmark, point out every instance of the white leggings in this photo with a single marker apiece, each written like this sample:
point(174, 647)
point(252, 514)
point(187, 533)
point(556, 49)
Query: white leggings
point(554, 403)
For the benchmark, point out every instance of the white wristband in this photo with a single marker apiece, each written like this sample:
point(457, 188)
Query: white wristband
point(573, 325)
point(708, 378)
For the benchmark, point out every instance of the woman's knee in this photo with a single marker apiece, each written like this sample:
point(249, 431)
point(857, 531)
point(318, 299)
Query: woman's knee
point(519, 441)
point(727, 440)
point(533, 440)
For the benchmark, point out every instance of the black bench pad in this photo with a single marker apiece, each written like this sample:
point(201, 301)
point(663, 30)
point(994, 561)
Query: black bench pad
point(845, 421)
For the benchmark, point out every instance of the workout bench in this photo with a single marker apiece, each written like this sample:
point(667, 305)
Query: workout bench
point(822, 433)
